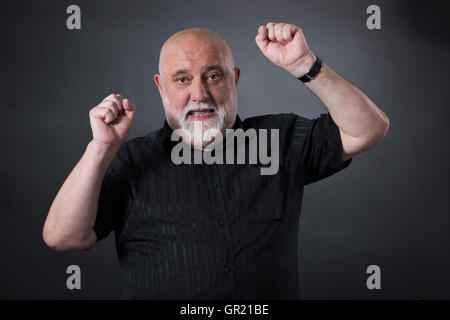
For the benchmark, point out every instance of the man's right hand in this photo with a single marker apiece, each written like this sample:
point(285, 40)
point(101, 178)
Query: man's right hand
point(111, 120)
point(71, 218)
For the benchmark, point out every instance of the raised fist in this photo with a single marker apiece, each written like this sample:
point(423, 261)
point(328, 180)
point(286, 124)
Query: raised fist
point(285, 45)
point(111, 120)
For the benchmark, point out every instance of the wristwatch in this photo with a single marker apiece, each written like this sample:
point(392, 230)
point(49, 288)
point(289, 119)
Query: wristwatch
point(313, 72)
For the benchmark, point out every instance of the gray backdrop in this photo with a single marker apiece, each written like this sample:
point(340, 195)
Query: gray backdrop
point(389, 208)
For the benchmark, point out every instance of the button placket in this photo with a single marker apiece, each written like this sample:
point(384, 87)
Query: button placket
point(223, 226)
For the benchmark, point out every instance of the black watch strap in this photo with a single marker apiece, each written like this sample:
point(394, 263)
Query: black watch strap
point(315, 69)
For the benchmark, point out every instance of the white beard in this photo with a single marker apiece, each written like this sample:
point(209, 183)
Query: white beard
point(202, 132)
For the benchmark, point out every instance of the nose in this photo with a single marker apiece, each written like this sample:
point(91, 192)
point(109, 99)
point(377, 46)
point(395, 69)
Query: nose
point(199, 92)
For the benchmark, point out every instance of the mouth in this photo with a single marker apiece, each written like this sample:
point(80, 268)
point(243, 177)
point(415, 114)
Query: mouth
point(201, 114)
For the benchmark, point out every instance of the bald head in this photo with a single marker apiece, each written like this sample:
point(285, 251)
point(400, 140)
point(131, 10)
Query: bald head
point(195, 39)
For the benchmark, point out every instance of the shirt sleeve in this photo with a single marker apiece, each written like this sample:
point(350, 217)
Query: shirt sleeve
point(112, 199)
point(320, 143)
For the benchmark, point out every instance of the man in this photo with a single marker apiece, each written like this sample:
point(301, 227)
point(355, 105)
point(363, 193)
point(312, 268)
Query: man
point(209, 231)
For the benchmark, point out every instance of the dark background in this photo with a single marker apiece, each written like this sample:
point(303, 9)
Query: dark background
point(389, 208)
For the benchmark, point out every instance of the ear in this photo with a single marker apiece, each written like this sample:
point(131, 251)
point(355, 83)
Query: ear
point(237, 74)
point(157, 79)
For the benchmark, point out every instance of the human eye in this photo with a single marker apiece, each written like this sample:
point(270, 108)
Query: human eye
point(181, 80)
point(214, 76)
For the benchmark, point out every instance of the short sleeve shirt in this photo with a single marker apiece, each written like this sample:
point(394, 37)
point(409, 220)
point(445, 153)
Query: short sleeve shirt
point(214, 231)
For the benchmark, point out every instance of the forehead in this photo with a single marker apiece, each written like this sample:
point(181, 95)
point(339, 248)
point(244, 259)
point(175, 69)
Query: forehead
point(193, 53)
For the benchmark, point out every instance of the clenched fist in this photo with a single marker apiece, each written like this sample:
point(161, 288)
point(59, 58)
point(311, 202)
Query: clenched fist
point(111, 120)
point(285, 45)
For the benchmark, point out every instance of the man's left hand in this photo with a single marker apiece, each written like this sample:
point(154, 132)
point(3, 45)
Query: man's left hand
point(285, 45)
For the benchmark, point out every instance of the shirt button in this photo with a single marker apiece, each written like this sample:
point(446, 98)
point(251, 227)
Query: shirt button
point(214, 185)
point(221, 223)
point(225, 270)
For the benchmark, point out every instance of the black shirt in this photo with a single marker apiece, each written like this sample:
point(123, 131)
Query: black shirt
point(219, 231)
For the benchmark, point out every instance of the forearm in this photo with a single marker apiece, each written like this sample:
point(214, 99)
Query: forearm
point(361, 123)
point(73, 212)
point(353, 112)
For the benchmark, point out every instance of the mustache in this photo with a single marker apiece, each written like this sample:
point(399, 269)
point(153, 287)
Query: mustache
point(199, 106)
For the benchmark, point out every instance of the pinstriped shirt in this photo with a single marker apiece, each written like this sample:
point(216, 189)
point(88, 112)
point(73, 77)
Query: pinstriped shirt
point(214, 231)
